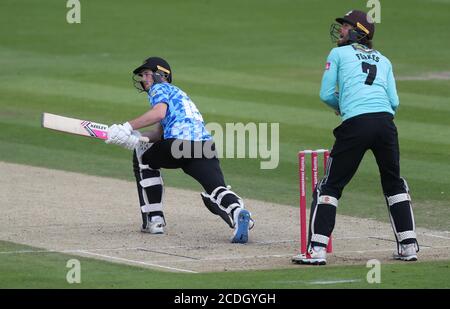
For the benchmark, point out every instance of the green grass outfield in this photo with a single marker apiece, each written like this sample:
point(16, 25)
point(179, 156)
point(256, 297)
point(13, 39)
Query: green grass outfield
point(240, 61)
point(48, 270)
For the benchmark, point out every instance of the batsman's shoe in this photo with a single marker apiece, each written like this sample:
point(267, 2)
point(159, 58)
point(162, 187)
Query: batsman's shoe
point(315, 256)
point(154, 226)
point(407, 253)
point(242, 224)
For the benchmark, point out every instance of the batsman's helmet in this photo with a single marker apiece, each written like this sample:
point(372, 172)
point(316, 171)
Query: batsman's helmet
point(363, 26)
point(158, 66)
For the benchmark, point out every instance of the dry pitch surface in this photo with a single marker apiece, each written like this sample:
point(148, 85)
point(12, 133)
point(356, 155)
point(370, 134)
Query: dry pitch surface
point(99, 217)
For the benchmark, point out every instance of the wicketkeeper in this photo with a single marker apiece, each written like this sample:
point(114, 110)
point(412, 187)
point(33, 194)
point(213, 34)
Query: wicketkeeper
point(358, 83)
point(179, 139)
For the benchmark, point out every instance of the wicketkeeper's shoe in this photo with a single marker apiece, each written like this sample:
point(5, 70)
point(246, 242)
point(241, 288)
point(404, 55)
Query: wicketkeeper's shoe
point(155, 225)
point(242, 225)
point(407, 253)
point(314, 256)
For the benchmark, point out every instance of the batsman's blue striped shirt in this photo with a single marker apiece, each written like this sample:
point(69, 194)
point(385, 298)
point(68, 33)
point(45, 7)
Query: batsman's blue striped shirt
point(182, 120)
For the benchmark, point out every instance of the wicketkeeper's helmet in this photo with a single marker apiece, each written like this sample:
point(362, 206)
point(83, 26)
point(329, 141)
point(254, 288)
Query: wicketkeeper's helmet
point(363, 26)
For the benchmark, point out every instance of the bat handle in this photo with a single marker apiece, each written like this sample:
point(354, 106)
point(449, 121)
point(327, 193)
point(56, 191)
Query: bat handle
point(144, 139)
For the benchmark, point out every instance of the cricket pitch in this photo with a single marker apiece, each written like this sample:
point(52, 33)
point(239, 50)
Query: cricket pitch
point(99, 217)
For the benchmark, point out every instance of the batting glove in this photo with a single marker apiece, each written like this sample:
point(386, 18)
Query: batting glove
point(118, 135)
point(112, 133)
point(127, 127)
point(133, 140)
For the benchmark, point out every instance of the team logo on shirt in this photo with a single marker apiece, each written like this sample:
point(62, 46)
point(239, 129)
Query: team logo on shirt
point(327, 66)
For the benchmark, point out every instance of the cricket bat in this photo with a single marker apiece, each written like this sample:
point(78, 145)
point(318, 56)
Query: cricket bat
point(77, 126)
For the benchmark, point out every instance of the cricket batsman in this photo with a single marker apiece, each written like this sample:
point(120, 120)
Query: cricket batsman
point(179, 139)
point(358, 83)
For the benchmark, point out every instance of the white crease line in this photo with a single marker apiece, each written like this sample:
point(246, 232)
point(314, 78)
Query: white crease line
point(335, 281)
point(229, 258)
point(334, 238)
point(205, 259)
point(138, 262)
point(386, 250)
point(135, 248)
point(288, 255)
point(274, 241)
point(362, 237)
point(65, 251)
point(91, 249)
point(437, 236)
point(28, 251)
point(225, 258)
point(245, 257)
point(317, 282)
point(196, 247)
